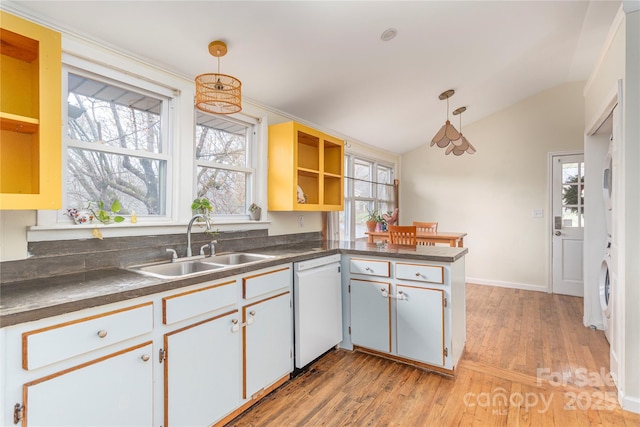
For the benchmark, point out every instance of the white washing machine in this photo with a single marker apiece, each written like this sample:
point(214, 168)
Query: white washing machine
point(606, 294)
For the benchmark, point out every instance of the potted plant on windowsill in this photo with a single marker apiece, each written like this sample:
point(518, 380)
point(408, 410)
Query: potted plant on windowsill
point(255, 212)
point(373, 219)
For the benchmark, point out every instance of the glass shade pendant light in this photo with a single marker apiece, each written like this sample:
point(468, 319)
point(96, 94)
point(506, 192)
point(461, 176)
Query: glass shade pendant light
point(218, 93)
point(461, 145)
point(447, 132)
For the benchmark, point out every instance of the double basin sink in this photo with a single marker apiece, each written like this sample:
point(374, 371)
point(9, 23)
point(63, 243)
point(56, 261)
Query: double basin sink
point(190, 267)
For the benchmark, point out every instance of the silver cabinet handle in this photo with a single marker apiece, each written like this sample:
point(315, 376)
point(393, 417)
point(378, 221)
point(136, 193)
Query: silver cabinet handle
point(102, 333)
point(557, 233)
point(368, 269)
point(145, 357)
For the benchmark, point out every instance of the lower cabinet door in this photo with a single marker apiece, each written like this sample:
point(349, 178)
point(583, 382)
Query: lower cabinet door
point(268, 342)
point(371, 314)
point(202, 372)
point(420, 324)
point(116, 390)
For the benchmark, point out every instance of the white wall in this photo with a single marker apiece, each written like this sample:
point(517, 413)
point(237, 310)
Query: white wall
point(492, 193)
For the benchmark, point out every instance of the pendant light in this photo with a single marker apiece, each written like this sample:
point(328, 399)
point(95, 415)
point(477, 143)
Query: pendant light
point(459, 146)
point(218, 93)
point(447, 132)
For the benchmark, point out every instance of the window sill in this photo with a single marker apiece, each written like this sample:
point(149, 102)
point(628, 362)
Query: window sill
point(43, 233)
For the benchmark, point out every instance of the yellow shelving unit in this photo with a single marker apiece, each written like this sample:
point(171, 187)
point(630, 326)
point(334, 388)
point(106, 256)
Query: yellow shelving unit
point(30, 115)
point(302, 157)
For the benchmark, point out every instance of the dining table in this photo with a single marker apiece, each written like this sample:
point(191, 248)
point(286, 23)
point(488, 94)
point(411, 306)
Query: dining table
point(454, 239)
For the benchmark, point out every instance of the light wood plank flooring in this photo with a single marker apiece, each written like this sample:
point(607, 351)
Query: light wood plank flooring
point(528, 361)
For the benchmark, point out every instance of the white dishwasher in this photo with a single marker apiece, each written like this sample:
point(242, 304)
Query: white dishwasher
point(317, 295)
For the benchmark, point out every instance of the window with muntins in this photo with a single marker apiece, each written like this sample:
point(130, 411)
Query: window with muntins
point(224, 166)
point(116, 143)
point(368, 187)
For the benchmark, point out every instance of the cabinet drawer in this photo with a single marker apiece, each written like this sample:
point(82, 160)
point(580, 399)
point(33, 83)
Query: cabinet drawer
point(263, 283)
point(419, 272)
point(370, 267)
point(52, 344)
point(198, 301)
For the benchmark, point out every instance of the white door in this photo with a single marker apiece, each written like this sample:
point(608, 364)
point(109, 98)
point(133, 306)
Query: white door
point(202, 372)
point(568, 224)
point(268, 337)
point(113, 391)
point(371, 315)
point(424, 307)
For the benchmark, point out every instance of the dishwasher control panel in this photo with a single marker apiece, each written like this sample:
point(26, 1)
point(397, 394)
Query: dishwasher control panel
point(316, 262)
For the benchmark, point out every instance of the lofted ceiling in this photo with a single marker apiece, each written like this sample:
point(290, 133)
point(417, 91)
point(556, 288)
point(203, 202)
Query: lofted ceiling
point(324, 61)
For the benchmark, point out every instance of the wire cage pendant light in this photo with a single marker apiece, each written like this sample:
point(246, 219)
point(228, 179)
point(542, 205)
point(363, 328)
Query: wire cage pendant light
point(218, 93)
point(447, 132)
point(461, 145)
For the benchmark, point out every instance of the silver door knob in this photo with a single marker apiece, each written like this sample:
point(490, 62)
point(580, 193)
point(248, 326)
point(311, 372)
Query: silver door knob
point(557, 233)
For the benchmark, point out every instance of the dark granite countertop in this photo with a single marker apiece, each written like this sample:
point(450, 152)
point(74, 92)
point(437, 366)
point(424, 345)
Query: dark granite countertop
point(39, 298)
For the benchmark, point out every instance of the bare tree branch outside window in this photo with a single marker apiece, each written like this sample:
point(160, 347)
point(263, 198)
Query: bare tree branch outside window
point(112, 142)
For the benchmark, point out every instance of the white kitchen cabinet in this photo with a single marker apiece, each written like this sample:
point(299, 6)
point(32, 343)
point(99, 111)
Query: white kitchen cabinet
point(371, 314)
point(268, 343)
point(93, 367)
point(417, 316)
point(112, 391)
point(202, 371)
point(420, 324)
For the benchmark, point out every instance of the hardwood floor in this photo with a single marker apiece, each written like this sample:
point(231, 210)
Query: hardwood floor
point(528, 361)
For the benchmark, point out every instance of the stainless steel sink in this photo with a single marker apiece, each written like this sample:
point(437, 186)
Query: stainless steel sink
point(170, 270)
point(235, 258)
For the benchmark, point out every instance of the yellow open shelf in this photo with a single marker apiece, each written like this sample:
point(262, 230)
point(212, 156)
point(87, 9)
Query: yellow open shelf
point(300, 156)
point(30, 115)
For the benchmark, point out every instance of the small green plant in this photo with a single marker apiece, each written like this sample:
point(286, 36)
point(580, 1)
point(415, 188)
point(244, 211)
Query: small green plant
point(253, 207)
point(106, 216)
point(201, 205)
point(373, 216)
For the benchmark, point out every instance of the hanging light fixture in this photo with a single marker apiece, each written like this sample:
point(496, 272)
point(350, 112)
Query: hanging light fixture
point(459, 146)
point(447, 132)
point(218, 93)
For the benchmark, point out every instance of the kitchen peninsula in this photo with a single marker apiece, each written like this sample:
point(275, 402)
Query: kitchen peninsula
point(116, 325)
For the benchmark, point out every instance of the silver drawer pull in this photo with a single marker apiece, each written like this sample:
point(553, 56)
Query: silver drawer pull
point(417, 274)
point(102, 333)
point(368, 269)
point(145, 357)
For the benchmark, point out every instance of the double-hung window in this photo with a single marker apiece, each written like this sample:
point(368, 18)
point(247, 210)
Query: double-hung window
point(224, 165)
point(369, 186)
point(116, 142)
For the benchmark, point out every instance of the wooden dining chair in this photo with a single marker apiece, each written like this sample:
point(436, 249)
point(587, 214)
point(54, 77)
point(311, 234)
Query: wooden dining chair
point(426, 227)
point(402, 235)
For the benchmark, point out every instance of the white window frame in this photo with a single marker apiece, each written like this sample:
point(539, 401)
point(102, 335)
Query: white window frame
point(165, 138)
point(350, 199)
point(251, 167)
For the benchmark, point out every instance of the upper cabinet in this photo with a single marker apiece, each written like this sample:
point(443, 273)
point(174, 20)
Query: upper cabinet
point(30, 115)
point(306, 169)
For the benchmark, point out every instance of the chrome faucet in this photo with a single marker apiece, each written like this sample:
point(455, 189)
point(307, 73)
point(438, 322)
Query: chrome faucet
point(189, 230)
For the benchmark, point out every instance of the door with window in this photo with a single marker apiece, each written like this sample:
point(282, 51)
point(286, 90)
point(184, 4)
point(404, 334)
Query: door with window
point(567, 224)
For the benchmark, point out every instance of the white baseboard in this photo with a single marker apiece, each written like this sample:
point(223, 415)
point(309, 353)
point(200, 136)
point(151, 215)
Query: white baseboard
point(631, 404)
point(523, 286)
